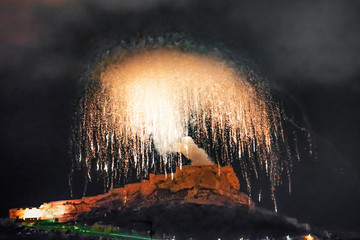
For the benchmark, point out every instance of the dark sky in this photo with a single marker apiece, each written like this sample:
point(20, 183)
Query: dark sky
point(308, 50)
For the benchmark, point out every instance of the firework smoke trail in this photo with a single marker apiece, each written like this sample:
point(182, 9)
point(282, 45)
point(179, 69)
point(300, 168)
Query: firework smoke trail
point(146, 107)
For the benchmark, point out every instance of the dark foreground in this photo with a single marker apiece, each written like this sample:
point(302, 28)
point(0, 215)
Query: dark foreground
point(39, 230)
point(170, 221)
point(199, 221)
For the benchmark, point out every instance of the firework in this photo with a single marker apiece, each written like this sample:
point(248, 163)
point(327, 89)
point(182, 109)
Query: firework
point(152, 109)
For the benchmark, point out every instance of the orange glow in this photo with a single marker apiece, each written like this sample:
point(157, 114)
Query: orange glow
point(51, 210)
point(309, 237)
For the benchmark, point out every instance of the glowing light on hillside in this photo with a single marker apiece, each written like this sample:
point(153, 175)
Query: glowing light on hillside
point(32, 213)
point(309, 237)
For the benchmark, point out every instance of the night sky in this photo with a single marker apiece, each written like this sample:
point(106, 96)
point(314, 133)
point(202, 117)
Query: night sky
point(308, 51)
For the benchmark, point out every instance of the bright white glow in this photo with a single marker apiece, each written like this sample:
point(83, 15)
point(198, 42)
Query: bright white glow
point(33, 213)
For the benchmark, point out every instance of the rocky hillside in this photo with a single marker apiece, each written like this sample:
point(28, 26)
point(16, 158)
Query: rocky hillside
point(209, 184)
point(193, 184)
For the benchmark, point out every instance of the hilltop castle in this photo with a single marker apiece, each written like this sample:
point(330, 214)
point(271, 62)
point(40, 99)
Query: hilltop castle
point(210, 184)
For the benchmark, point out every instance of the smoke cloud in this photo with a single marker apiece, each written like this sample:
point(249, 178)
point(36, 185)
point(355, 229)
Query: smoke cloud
point(197, 155)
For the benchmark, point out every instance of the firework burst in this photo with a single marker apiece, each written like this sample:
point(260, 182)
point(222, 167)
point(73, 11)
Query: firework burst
point(152, 109)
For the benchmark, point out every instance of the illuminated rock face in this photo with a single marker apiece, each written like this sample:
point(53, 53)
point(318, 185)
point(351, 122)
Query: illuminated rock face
point(211, 185)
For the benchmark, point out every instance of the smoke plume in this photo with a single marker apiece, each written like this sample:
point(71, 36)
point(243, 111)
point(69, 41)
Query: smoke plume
point(197, 155)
